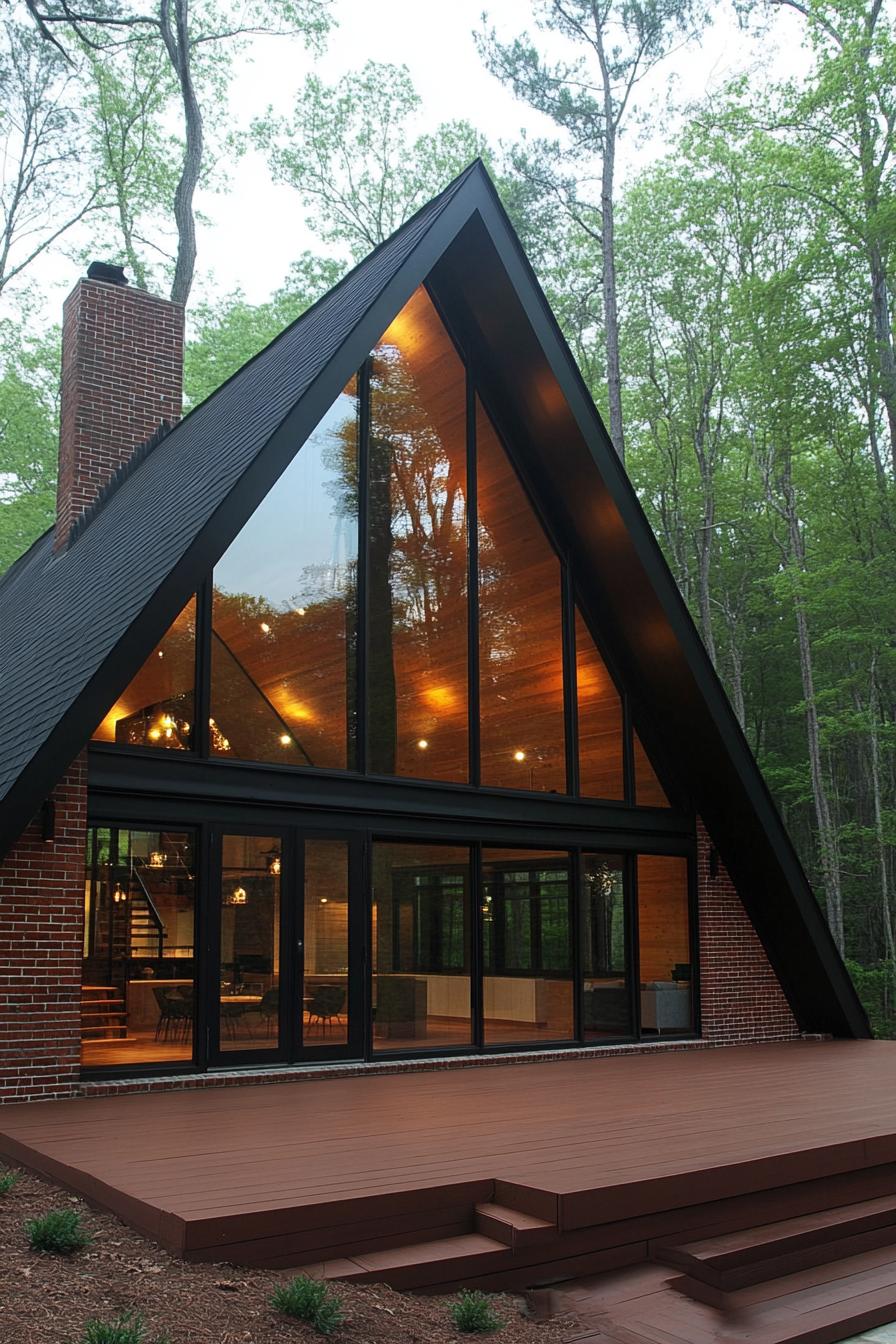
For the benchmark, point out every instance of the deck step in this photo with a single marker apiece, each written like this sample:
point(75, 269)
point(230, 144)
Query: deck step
point(735, 1260)
point(513, 1228)
point(420, 1263)
point(817, 1306)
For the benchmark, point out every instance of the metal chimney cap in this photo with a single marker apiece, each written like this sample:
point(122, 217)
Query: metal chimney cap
point(104, 270)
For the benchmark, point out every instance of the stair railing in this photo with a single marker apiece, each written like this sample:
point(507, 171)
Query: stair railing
point(153, 913)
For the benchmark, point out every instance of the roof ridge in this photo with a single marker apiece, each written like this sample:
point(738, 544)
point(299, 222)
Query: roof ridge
point(117, 479)
point(432, 204)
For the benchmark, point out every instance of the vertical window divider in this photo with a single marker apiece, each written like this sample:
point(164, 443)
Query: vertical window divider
point(203, 672)
point(361, 599)
point(90, 938)
point(634, 941)
point(577, 930)
point(694, 942)
point(112, 876)
point(291, 933)
point(477, 996)
point(204, 997)
point(628, 752)
point(472, 586)
point(570, 696)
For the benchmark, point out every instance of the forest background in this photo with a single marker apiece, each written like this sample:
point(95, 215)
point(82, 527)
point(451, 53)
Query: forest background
point(716, 234)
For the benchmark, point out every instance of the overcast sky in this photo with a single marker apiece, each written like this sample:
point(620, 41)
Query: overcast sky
point(257, 228)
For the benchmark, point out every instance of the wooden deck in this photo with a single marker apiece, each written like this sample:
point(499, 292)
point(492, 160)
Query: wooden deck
point(513, 1175)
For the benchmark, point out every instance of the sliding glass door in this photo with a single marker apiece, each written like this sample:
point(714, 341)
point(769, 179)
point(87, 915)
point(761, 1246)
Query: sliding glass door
point(421, 947)
point(284, 935)
point(274, 944)
point(251, 871)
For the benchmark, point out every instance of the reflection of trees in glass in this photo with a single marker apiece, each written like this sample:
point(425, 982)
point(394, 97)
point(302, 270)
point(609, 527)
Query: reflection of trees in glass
point(283, 656)
point(604, 946)
point(417, 552)
point(520, 630)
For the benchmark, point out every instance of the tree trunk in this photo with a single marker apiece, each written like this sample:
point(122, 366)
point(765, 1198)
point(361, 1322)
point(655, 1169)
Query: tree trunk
point(883, 342)
point(382, 719)
point(829, 849)
point(705, 464)
point(608, 249)
point(876, 792)
point(177, 44)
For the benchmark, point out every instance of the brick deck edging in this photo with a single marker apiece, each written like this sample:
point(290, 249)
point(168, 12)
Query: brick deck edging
point(254, 1076)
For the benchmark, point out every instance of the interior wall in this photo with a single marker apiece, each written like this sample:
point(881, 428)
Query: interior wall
point(663, 924)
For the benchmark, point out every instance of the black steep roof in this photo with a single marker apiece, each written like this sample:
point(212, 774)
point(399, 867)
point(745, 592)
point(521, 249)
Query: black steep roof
point(76, 624)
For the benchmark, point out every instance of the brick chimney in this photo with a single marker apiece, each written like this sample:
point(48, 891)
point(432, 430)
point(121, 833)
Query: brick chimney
point(122, 375)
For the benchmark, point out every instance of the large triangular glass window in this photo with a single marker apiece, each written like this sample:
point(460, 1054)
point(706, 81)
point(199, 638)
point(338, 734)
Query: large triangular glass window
point(295, 593)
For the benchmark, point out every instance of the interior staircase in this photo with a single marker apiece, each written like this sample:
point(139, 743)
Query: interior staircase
point(134, 932)
point(104, 1014)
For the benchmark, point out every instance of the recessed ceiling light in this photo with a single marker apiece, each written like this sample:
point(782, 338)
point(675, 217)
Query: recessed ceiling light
point(422, 744)
point(285, 739)
point(519, 755)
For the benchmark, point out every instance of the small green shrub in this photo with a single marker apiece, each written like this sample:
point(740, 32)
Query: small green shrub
point(309, 1300)
point(473, 1313)
point(59, 1232)
point(127, 1329)
point(7, 1181)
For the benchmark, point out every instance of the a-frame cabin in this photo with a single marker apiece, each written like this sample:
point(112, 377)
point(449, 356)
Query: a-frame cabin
point(353, 732)
point(374, 707)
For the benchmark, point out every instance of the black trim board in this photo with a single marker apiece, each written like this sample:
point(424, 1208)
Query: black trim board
point(464, 243)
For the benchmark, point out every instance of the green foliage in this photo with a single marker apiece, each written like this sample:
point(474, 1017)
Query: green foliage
point(876, 986)
point(57, 1233)
point(310, 1300)
point(128, 1328)
point(473, 1313)
point(8, 1179)
point(354, 155)
point(227, 334)
point(28, 436)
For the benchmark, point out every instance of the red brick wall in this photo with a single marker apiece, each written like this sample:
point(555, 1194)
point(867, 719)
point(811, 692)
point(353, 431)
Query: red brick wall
point(122, 374)
point(41, 933)
point(740, 998)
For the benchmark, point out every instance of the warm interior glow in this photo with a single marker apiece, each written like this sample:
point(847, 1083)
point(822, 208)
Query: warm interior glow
point(520, 629)
point(284, 623)
point(283, 616)
point(156, 708)
point(417, 580)
point(601, 770)
point(649, 792)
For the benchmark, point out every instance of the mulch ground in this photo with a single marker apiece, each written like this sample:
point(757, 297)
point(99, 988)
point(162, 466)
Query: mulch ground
point(47, 1299)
